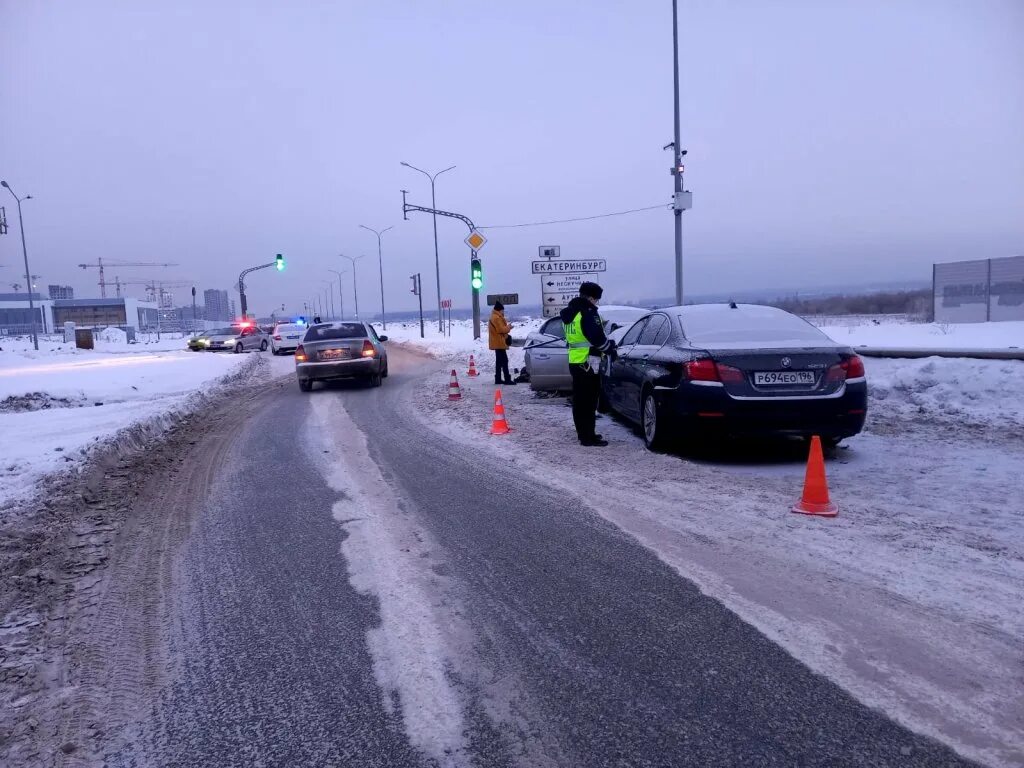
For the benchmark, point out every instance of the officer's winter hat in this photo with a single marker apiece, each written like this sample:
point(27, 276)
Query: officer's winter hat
point(591, 291)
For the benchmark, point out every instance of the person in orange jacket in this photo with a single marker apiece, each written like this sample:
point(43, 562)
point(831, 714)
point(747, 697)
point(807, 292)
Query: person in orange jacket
point(498, 329)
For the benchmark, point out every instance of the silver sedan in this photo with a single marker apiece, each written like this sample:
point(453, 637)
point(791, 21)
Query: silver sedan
point(237, 338)
point(341, 350)
point(547, 355)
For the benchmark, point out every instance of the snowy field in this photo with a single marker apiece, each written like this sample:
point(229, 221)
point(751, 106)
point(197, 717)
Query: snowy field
point(58, 402)
point(910, 599)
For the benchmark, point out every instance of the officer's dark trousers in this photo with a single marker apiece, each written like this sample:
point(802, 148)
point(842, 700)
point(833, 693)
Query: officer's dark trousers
point(585, 390)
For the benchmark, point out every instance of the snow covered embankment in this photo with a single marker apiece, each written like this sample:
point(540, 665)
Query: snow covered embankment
point(58, 403)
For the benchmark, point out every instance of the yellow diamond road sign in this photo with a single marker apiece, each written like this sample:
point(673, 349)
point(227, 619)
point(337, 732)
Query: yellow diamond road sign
point(475, 240)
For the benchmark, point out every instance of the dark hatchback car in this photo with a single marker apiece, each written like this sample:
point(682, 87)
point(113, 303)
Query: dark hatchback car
point(344, 350)
point(736, 369)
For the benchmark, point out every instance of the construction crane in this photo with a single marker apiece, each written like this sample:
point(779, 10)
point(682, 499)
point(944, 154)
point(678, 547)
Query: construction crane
point(153, 287)
point(100, 264)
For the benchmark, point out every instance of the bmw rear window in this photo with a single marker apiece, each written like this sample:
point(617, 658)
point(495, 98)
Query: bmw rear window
point(749, 324)
point(336, 331)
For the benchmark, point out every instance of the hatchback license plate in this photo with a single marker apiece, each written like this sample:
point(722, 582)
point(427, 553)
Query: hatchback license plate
point(333, 354)
point(776, 378)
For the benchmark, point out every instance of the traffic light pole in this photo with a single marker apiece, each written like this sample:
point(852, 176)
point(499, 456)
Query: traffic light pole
point(407, 208)
point(241, 282)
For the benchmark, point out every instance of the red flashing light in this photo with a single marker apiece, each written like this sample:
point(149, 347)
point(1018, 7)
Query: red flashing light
point(245, 324)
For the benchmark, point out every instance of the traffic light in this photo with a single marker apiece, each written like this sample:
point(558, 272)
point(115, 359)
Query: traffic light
point(279, 262)
point(477, 274)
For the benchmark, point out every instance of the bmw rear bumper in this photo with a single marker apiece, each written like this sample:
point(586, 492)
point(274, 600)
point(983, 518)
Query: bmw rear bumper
point(697, 408)
point(338, 369)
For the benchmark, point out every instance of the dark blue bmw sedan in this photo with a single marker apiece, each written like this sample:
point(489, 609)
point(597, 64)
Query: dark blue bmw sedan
point(735, 369)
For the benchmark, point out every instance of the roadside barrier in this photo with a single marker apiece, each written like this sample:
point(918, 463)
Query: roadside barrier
point(454, 393)
point(815, 500)
point(500, 425)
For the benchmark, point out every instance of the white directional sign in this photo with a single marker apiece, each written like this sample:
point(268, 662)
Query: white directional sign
point(562, 299)
point(561, 284)
point(568, 266)
point(552, 310)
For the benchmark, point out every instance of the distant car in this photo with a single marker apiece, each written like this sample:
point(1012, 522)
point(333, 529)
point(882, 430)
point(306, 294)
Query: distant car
point(341, 350)
point(734, 369)
point(547, 355)
point(238, 338)
point(286, 337)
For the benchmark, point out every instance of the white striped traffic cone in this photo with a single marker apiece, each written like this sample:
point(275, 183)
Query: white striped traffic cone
point(454, 393)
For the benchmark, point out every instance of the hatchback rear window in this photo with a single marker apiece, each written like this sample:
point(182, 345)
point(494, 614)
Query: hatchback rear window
point(337, 331)
point(748, 324)
point(289, 328)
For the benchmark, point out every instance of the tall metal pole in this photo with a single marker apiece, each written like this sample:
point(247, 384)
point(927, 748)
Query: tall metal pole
point(380, 262)
point(24, 253)
point(677, 155)
point(419, 293)
point(195, 322)
point(355, 282)
point(341, 295)
point(437, 258)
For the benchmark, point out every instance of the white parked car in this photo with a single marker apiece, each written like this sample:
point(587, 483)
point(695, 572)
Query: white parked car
point(286, 337)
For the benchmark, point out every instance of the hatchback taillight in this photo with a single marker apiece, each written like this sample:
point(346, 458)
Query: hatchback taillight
point(368, 350)
point(300, 354)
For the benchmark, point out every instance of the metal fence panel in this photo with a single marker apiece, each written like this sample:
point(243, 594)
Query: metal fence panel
point(1006, 300)
point(961, 292)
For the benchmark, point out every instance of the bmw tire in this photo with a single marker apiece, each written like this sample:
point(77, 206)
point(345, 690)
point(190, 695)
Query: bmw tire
point(653, 426)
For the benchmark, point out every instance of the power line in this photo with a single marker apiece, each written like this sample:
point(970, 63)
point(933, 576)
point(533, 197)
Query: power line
point(581, 218)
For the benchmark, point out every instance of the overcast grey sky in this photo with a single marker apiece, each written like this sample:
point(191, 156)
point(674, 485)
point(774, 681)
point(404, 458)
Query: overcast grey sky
point(838, 141)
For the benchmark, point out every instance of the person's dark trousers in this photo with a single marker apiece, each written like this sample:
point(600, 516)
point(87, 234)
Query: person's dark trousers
point(501, 366)
point(585, 394)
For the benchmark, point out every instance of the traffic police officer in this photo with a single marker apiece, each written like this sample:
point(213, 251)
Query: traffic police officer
point(584, 333)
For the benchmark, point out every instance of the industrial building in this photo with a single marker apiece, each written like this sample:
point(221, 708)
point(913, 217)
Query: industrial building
point(16, 318)
point(979, 291)
point(61, 292)
point(124, 313)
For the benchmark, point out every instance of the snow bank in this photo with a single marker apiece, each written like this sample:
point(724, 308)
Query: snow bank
point(58, 402)
point(949, 390)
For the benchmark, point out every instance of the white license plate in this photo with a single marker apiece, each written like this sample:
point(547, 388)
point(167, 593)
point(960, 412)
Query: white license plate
point(333, 354)
point(291, 337)
point(782, 378)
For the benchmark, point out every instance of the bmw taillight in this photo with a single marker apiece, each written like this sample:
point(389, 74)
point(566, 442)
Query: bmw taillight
point(729, 375)
point(849, 368)
point(701, 370)
point(368, 350)
point(300, 354)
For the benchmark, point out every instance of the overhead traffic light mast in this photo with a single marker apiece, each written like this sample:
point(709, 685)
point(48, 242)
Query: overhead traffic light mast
point(278, 263)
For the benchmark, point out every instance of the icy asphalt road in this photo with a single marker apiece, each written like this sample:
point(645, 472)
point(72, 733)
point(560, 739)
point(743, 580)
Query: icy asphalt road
point(358, 591)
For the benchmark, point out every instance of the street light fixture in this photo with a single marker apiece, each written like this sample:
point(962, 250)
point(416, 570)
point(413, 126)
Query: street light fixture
point(341, 295)
point(380, 262)
point(355, 281)
point(437, 259)
point(24, 252)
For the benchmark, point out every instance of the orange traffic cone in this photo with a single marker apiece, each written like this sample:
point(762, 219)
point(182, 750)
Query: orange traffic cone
point(815, 499)
point(499, 426)
point(454, 393)
point(472, 367)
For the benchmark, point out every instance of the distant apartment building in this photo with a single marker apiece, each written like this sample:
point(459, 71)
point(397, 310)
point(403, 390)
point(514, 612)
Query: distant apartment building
point(217, 305)
point(61, 292)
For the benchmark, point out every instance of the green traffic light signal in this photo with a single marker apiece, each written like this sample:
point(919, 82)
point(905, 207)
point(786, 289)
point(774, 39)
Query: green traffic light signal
point(279, 262)
point(477, 274)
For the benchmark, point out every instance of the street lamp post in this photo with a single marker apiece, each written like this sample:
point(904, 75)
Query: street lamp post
point(341, 295)
point(24, 252)
point(329, 293)
point(437, 259)
point(380, 262)
point(355, 282)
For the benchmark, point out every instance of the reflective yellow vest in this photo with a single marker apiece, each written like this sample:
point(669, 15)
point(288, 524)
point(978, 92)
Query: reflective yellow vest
point(579, 347)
